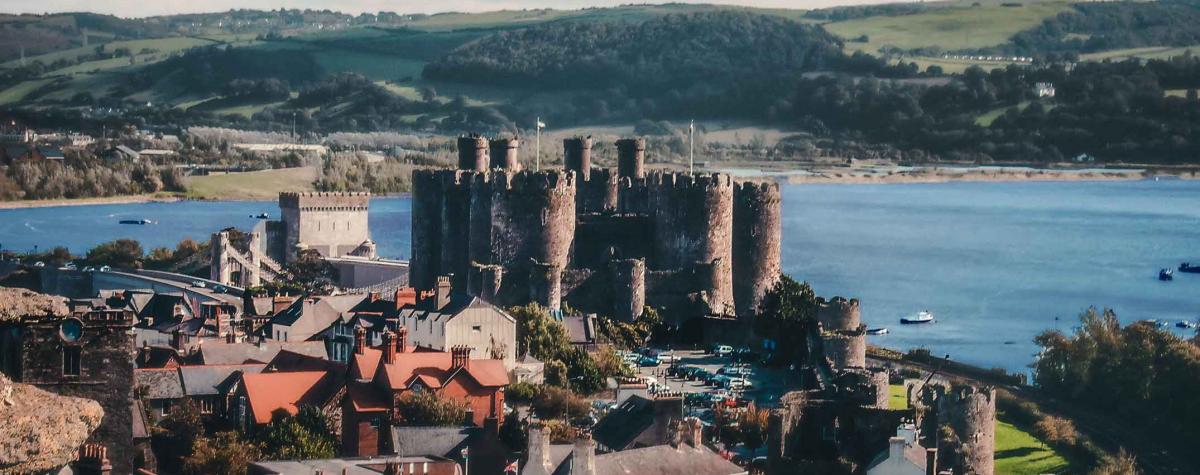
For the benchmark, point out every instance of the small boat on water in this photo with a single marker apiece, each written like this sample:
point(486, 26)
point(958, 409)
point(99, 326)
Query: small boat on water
point(1189, 268)
point(137, 221)
point(1166, 274)
point(1185, 324)
point(262, 216)
point(924, 316)
point(877, 331)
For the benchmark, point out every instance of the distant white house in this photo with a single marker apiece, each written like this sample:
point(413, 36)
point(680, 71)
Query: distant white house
point(281, 147)
point(1044, 89)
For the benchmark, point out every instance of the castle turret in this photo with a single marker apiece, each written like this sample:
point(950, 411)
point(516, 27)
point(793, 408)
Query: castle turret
point(971, 413)
point(842, 333)
point(693, 223)
point(533, 218)
point(426, 228)
point(838, 313)
point(577, 156)
point(757, 238)
point(631, 158)
point(456, 225)
point(473, 153)
point(485, 281)
point(503, 153)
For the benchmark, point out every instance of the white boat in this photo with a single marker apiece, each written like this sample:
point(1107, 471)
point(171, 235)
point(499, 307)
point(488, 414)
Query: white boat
point(877, 331)
point(924, 316)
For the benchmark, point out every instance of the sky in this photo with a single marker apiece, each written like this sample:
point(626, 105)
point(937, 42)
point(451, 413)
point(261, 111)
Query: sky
point(142, 8)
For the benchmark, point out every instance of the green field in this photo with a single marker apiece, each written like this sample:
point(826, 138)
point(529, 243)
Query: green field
point(947, 28)
point(1020, 453)
point(1153, 52)
point(897, 397)
point(260, 185)
point(164, 47)
point(18, 92)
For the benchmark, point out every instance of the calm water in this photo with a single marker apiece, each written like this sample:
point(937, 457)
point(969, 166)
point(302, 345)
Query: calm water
point(996, 262)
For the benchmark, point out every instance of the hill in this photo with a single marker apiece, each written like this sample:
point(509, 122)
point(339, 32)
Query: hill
point(654, 55)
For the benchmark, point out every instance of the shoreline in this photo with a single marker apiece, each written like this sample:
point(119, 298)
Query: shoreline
point(844, 176)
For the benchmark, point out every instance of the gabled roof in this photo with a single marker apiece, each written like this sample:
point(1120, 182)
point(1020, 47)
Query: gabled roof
point(288, 360)
point(458, 303)
point(581, 329)
point(269, 392)
point(155, 356)
point(159, 383)
point(623, 425)
point(399, 374)
point(264, 352)
point(206, 380)
point(366, 398)
point(309, 315)
point(439, 441)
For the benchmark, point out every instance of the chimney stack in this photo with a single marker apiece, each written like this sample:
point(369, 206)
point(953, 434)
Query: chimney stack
point(360, 340)
point(442, 293)
point(93, 460)
point(373, 297)
point(473, 153)
point(538, 462)
point(460, 356)
point(177, 340)
point(401, 339)
point(389, 347)
point(583, 457)
point(931, 461)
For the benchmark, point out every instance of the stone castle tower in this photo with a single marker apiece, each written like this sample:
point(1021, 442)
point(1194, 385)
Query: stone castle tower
point(333, 224)
point(608, 241)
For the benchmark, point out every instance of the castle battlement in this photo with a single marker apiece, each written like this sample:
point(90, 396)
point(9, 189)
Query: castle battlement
point(685, 181)
point(761, 191)
point(534, 182)
point(325, 200)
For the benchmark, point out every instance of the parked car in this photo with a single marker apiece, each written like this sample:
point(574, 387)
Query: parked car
point(700, 374)
point(718, 380)
point(723, 350)
point(648, 361)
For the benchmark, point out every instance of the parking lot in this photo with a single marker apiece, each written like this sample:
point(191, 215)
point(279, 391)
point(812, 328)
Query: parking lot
point(767, 384)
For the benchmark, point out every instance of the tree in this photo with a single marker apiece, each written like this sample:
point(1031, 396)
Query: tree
point(288, 438)
point(175, 435)
point(121, 253)
point(424, 408)
point(559, 403)
point(222, 454)
point(753, 426)
point(538, 334)
point(785, 314)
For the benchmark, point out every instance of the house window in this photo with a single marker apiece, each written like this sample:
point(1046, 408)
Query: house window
point(477, 328)
point(206, 406)
point(71, 355)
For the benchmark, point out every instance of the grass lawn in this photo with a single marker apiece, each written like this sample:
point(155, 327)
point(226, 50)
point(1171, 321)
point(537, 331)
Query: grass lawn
point(897, 397)
point(1020, 453)
point(260, 185)
point(948, 28)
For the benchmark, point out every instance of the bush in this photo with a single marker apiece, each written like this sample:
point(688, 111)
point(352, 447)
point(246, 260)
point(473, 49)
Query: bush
point(425, 408)
point(559, 403)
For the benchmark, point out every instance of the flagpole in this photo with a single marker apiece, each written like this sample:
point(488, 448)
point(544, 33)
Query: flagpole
point(692, 147)
point(538, 148)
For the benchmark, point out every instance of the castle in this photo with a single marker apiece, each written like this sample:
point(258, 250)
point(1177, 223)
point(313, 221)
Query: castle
point(604, 241)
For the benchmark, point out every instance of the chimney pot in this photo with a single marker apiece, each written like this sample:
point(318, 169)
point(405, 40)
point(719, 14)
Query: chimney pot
point(389, 347)
point(360, 340)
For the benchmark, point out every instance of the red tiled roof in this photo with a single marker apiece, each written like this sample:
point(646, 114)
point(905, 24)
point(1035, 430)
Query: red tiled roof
point(488, 372)
point(366, 399)
point(363, 366)
point(268, 392)
point(399, 373)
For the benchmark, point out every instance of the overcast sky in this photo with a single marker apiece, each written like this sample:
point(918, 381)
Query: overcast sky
point(141, 8)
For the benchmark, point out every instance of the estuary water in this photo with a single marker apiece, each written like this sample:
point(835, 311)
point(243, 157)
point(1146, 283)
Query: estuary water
point(997, 263)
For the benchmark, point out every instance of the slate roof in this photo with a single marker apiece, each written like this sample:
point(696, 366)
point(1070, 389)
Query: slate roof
point(159, 383)
point(206, 380)
point(140, 425)
point(288, 360)
point(622, 425)
point(581, 329)
point(240, 353)
point(438, 441)
point(308, 316)
point(656, 460)
point(458, 303)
